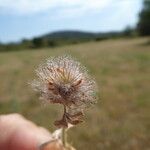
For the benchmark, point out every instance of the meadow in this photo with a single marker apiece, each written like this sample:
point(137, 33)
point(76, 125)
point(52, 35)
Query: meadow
point(121, 67)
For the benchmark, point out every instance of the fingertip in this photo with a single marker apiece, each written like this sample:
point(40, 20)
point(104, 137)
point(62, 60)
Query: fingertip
point(28, 138)
point(52, 145)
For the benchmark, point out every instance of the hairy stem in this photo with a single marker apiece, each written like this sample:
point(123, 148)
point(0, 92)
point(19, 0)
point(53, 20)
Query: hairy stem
point(64, 134)
point(64, 137)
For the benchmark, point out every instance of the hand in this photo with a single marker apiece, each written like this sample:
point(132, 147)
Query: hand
point(17, 133)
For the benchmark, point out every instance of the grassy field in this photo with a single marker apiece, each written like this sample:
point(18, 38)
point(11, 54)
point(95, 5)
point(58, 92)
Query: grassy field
point(121, 118)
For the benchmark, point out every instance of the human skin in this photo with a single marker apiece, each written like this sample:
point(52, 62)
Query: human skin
point(18, 133)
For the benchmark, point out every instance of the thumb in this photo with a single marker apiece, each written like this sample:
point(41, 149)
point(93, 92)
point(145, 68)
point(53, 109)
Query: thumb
point(17, 133)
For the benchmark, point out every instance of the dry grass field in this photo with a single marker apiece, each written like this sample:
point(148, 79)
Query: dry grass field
point(121, 118)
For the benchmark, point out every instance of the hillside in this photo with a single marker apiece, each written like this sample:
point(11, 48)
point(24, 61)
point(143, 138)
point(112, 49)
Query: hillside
point(79, 35)
point(58, 38)
point(69, 35)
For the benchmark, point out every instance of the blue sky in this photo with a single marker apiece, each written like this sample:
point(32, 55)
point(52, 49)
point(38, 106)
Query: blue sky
point(28, 18)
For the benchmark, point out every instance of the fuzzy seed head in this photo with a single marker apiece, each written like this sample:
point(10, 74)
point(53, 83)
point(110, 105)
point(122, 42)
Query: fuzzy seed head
point(63, 80)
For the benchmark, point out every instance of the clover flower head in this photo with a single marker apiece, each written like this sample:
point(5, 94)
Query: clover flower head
point(65, 81)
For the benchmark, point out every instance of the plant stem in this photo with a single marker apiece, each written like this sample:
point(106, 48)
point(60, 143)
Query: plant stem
point(64, 137)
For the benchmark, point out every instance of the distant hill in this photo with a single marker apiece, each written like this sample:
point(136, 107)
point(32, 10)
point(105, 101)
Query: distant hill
point(60, 38)
point(77, 35)
point(69, 35)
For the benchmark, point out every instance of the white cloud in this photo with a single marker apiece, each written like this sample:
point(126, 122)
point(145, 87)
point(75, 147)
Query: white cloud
point(84, 7)
point(67, 7)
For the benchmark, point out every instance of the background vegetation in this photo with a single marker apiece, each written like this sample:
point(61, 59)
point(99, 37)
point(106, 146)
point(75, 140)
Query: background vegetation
point(143, 26)
point(120, 120)
point(61, 38)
